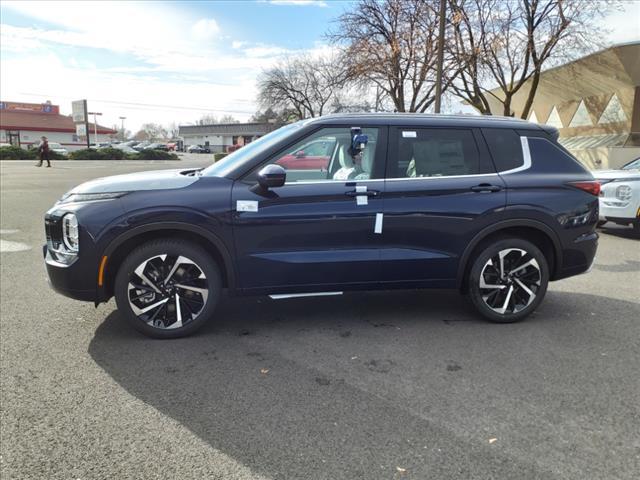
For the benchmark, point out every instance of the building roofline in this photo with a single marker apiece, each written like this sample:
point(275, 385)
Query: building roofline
point(589, 55)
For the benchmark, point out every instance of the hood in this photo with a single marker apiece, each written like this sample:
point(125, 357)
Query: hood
point(155, 180)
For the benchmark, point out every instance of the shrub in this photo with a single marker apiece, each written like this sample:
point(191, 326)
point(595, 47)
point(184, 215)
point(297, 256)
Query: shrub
point(153, 155)
point(17, 153)
point(219, 156)
point(112, 154)
point(87, 154)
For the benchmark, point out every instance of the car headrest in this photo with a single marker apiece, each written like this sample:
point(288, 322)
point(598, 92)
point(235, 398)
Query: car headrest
point(367, 159)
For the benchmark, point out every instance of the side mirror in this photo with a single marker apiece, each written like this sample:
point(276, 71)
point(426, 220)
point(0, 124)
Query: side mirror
point(300, 154)
point(272, 176)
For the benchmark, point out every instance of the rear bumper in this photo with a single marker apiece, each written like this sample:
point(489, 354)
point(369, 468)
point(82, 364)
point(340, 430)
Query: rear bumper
point(578, 257)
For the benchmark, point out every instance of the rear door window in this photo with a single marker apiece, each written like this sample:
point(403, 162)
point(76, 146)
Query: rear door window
point(436, 152)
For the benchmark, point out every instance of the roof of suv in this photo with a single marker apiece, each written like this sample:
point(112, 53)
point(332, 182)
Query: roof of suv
point(423, 119)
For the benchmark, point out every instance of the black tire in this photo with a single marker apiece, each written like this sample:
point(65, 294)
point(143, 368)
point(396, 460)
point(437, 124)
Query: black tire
point(196, 296)
point(519, 304)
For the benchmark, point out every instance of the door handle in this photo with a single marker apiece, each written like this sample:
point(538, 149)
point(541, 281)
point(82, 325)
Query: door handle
point(485, 187)
point(368, 193)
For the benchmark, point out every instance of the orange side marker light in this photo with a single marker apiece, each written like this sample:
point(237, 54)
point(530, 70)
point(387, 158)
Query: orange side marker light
point(103, 263)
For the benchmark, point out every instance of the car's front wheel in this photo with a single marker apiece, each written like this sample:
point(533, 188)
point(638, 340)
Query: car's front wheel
point(508, 280)
point(167, 288)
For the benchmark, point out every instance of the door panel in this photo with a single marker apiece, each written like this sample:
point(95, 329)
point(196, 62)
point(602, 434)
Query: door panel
point(307, 234)
point(429, 219)
point(310, 233)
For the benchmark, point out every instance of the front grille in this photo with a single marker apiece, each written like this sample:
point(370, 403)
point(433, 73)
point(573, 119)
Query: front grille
point(53, 230)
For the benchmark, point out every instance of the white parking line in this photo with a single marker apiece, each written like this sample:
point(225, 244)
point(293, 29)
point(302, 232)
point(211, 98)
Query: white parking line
point(7, 246)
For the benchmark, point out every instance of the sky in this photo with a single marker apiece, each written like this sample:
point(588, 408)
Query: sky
point(167, 62)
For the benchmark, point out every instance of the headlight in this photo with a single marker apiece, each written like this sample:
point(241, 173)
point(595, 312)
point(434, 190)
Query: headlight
point(70, 232)
point(623, 192)
point(89, 197)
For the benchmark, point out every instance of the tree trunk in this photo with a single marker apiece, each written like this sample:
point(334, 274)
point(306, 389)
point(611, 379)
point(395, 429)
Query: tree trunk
point(507, 105)
point(535, 79)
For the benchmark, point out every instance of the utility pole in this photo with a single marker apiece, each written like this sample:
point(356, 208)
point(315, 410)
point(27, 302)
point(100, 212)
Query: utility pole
point(95, 125)
point(122, 119)
point(443, 7)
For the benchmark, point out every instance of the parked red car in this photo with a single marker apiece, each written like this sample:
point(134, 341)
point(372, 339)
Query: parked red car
point(313, 156)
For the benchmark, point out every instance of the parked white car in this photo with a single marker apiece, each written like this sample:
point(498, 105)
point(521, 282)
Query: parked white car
point(620, 195)
point(59, 149)
point(125, 148)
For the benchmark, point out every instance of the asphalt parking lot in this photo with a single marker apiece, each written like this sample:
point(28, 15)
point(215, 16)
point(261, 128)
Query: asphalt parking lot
point(389, 385)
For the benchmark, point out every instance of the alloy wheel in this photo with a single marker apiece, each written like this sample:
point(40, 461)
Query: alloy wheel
point(510, 281)
point(168, 291)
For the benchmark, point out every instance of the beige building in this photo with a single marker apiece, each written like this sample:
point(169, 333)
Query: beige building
point(594, 102)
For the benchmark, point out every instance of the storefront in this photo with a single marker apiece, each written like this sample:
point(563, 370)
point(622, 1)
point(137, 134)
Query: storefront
point(219, 137)
point(23, 124)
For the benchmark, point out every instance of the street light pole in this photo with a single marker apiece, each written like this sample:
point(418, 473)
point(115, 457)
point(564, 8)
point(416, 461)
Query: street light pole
point(95, 125)
point(443, 7)
point(122, 126)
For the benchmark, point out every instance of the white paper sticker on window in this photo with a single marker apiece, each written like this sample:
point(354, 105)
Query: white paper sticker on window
point(378, 226)
point(362, 200)
point(409, 135)
point(247, 206)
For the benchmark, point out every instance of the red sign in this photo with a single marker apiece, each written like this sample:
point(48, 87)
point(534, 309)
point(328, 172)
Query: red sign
point(30, 107)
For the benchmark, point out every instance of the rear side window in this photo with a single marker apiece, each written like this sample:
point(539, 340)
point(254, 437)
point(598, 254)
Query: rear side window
point(552, 158)
point(432, 152)
point(505, 147)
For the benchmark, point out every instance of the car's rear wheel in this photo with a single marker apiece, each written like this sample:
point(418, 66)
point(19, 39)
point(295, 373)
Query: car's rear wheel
point(168, 288)
point(508, 280)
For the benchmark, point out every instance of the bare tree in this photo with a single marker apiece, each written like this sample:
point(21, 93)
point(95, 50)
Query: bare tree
point(173, 130)
point(228, 119)
point(210, 119)
point(303, 84)
point(207, 119)
point(506, 44)
point(152, 132)
point(122, 134)
point(393, 44)
point(270, 115)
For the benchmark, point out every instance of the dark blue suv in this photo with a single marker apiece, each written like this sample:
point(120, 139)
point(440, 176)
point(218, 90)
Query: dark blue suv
point(491, 206)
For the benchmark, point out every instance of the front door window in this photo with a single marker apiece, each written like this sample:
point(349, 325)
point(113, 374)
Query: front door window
point(326, 155)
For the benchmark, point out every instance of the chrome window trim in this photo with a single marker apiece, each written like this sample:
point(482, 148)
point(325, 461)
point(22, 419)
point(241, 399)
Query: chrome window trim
point(526, 154)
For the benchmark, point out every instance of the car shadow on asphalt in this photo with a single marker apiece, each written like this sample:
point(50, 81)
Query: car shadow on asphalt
point(242, 385)
point(620, 231)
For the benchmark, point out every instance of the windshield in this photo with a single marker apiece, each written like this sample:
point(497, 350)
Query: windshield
point(240, 156)
point(635, 165)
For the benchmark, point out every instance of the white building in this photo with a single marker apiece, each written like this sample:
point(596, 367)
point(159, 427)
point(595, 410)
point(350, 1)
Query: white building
point(23, 124)
point(219, 137)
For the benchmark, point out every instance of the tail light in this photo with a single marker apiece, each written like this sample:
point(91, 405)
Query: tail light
point(589, 186)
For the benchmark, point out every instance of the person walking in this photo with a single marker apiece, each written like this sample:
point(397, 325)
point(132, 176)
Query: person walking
point(43, 149)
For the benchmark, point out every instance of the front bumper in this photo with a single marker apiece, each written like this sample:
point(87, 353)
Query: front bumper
point(618, 210)
point(68, 279)
point(624, 209)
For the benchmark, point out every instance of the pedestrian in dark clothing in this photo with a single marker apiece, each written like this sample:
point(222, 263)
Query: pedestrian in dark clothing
point(43, 149)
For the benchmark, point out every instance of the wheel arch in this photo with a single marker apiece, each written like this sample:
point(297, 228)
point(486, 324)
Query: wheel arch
point(534, 231)
point(118, 248)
